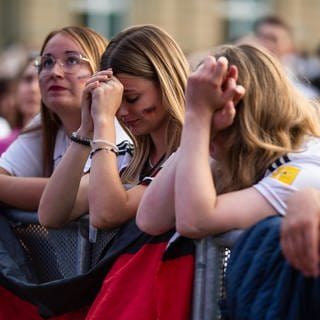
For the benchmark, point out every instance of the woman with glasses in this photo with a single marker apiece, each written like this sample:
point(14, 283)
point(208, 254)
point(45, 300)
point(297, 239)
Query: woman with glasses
point(68, 57)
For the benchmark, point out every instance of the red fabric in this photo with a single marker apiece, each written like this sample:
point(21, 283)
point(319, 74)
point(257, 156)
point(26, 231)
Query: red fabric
point(143, 286)
point(175, 287)
point(14, 308)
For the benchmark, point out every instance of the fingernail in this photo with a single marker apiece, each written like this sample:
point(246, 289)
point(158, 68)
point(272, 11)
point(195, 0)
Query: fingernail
point(222, 59)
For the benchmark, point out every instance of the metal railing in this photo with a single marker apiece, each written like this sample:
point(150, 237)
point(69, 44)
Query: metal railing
point(67, 252)
point(57, 253)
point(212, 254)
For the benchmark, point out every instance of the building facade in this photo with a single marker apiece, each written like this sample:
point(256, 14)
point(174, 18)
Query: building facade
point(195, 24)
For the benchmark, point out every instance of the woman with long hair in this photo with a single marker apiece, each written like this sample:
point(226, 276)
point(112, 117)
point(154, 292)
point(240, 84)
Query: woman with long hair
point(68, 57)
point(242, 162)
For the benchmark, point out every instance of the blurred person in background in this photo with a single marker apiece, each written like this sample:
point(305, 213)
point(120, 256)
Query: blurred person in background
point(276, 36)
point(7, 103)
point(315, 67)
point(27, 101)
point(28, 91)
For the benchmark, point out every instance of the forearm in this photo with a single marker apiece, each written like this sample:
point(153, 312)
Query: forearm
point(108, 200)
point(194, 186)
point(21, 192)
point(156, 210)
point(107, 197)
point(59, 202)
point(81, 205)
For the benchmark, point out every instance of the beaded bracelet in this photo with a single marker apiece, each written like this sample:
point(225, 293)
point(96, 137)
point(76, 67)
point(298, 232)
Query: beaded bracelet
point(94, 151)
point(79, 139)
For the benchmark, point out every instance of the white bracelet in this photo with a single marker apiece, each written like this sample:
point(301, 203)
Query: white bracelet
point(96, 143)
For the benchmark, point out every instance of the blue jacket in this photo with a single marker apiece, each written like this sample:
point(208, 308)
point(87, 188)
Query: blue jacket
point(261, 285)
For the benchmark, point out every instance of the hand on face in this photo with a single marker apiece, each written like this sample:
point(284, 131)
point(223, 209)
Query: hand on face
point(101, 98)
point(212, 89)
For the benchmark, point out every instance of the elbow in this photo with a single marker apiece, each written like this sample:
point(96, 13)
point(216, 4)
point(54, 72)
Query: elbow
point(109, 214)
point(145, 227)
point(192, 229)
point(190, 232)
point(105, 218)
point(146, 222)
point(47, 222)
point(48, 218)
point(149, 228)
point(101, 222)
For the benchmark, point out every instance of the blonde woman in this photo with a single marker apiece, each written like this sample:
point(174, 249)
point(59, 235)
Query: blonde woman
point(235, 165)
point(142, 84)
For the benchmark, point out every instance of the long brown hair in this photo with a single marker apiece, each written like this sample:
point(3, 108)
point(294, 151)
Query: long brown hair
point(271, 120)
point(93, 45)
point(149, 52)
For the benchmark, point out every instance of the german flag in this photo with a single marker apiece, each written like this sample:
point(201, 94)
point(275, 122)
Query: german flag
point(152, 279)
point(138, 277)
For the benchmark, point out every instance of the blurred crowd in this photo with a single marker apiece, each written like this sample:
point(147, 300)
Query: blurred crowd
point(277, 36)
point(19, 92)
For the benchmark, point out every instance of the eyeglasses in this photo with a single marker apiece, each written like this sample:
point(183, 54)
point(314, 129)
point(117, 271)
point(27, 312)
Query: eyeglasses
point(70, 63)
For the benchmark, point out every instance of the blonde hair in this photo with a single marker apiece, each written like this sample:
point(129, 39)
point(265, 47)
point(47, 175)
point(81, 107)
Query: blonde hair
point(93, 45)
point(271, 120)
point(149, 52)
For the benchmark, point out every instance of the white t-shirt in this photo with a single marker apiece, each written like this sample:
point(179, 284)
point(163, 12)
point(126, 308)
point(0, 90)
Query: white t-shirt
point(4, 128)
point(24, 158)
point(290, 173)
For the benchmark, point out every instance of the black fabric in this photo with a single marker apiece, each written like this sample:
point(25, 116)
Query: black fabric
point(260, 284)
point(13, 260)
point(59, 296)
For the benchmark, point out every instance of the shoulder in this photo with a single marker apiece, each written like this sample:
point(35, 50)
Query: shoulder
point(32, 129)
point(34, 123)
point(125, 147)
point(308, 153)
point(311, 145)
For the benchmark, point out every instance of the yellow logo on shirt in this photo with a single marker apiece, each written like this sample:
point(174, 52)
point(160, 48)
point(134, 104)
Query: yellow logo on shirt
point(286, 174)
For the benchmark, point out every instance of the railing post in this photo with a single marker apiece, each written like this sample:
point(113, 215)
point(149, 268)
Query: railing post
point(209, 274)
